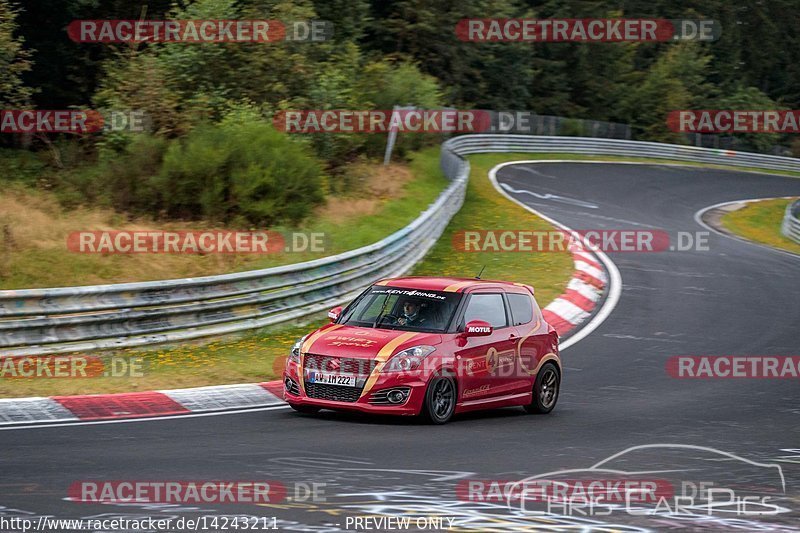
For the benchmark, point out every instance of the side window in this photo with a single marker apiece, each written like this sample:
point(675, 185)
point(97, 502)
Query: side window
point(488, 307)
point(521, 308)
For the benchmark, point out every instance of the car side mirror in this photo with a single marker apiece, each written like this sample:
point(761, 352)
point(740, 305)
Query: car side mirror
point(478, 328)
point(335, 313)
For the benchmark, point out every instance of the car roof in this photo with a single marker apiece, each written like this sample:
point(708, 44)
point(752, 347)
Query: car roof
point(448, 284)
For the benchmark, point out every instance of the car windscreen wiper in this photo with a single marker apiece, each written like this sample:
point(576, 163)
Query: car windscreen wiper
point(380, 314)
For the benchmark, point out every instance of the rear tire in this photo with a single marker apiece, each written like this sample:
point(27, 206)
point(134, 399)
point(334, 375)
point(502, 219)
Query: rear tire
point(545, 390)
point(440, 400)
point(305, 409)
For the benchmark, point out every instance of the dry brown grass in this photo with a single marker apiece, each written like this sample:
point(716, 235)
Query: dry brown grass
point(39, 229)
point(373, 185)
point(34, 252)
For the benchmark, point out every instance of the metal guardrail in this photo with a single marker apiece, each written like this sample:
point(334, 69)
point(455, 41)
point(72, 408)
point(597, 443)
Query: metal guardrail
point(791, 221)
point(70, 319)
point(473, 144)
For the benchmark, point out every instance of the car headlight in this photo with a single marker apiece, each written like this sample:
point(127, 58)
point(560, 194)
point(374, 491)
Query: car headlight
point(294, 354)
point(409, 359)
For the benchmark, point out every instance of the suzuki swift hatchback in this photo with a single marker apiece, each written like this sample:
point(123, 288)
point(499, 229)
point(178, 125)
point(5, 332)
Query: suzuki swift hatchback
point(429, 346)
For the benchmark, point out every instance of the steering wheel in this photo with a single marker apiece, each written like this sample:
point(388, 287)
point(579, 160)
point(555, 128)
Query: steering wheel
point(392, 317)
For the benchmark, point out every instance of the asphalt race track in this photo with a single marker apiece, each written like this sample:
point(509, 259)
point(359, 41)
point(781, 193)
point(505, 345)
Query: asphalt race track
point(734, 299)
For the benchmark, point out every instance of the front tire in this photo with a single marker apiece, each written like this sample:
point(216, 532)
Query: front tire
point(440, 400)
point(545, 390)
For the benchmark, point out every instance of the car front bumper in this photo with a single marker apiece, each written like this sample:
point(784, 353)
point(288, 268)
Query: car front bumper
point(367, 397)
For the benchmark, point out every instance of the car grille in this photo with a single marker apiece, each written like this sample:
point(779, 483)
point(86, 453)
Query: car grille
point(361, 367)
point(334, 393)
point(348, 365)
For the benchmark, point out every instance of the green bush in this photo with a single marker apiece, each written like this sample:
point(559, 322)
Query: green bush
point(20, 166)
point(238, 172)
point(128, 179)
point(119, 176)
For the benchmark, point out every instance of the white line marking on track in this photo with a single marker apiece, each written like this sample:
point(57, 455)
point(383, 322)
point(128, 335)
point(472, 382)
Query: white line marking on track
point(615, 279)
point(147, 419)
point(536, 172)
point(548, 196)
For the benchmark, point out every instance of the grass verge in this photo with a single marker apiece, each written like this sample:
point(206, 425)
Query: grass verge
point(761, 222)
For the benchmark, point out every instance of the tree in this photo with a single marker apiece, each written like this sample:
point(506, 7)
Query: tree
point(350, 18)
point(474, 74)
point(14, 60)
point(750, 99)
point(334, 87)
point(674, 82)
point(387, 84)
point(64, 72)
point(138, 80)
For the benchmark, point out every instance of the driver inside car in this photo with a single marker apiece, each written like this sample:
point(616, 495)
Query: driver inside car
point(411, 315)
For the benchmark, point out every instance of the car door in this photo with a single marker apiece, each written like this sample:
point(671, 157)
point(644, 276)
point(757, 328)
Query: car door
point(534, 341)
point(486, 364)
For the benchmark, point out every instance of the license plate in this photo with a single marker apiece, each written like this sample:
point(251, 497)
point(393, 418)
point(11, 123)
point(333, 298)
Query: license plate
point(327, 378)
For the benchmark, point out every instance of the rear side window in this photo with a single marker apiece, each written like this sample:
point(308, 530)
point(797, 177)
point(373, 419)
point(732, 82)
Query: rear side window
point(521, 308)
point(488, 307)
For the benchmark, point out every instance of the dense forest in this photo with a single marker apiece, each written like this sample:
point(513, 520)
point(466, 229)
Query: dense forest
point(209, 105)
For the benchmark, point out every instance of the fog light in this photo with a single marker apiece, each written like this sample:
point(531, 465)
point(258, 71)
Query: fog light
point(396, 396)
point(290, 386)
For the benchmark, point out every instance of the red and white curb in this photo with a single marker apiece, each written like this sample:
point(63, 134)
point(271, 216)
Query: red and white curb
point(132, 405)
point(583, 293)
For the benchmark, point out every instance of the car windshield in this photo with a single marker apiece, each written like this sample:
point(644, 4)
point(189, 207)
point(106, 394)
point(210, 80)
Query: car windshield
point(404, 309)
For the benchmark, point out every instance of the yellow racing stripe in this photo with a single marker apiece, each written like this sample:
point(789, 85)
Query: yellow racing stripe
point(456, 286)
point(383, 355)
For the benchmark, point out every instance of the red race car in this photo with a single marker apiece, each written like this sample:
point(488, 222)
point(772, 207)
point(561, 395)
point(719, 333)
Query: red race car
point(429, 346)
